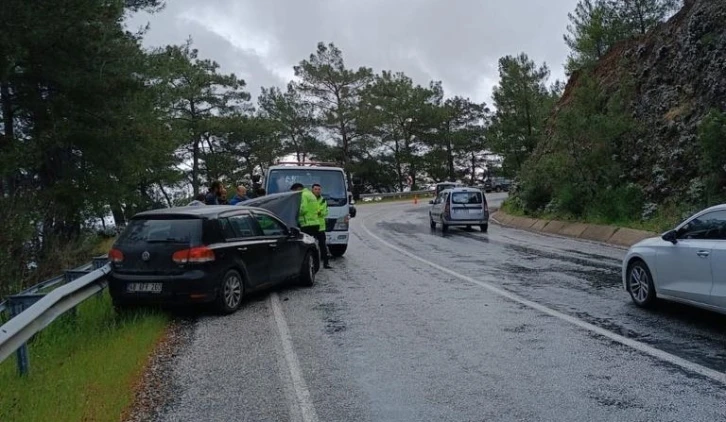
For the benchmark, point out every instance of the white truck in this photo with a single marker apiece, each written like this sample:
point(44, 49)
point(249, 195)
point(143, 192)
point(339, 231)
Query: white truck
point(280, 177)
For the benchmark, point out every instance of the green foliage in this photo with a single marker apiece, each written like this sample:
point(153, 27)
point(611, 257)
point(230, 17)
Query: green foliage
point(580, 175)
point(393, 116)
point(295, 118)
point(597, 25)
point(593, 29)
point(636, 17)
point(83, 368)
point(335, 91)
point(711, 136)
point(523, 103)
point(195, 96)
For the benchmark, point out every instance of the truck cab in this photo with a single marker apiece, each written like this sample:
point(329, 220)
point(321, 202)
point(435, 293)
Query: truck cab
point(280, 177)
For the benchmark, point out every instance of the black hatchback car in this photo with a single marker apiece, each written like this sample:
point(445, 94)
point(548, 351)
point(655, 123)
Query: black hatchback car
point(207, 254)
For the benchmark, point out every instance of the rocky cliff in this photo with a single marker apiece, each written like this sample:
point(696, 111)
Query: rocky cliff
point(676, 75)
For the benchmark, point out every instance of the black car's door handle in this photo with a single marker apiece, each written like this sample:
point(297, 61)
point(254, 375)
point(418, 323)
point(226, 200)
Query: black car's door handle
point(242, 249)
point(273, 245)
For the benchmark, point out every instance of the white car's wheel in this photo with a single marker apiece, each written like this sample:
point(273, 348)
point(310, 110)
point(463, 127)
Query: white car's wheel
point(640, 284)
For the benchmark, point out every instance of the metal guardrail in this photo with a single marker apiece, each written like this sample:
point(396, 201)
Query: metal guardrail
point(32, 310)
point(419, 193)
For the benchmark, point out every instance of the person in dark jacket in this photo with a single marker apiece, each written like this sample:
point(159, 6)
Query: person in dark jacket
point(215, 190)
point(223, 196)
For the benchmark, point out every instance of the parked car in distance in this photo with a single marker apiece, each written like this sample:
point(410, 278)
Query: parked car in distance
point(205, 254)
point(497, 184)
point(460, 206)
point(445, 185)
point(686, 264)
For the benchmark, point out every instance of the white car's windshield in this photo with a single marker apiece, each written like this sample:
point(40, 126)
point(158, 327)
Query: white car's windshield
point(332, 182)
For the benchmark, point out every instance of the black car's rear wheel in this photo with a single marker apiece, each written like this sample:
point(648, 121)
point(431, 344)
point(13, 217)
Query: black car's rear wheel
point(307, 271)
point(230, 293)
point(484, 227)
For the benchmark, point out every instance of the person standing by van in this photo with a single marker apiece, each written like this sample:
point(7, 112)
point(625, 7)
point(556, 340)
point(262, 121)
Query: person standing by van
point(322, 214)
point(308, 216)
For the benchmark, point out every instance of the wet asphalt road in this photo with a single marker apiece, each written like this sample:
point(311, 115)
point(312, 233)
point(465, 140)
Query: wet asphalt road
point(386, 337)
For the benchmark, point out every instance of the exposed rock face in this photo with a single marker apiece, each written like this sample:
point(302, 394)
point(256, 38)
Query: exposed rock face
point(679, 74)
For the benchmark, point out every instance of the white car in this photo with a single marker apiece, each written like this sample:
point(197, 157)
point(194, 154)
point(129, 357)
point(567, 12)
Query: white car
point(686, 264)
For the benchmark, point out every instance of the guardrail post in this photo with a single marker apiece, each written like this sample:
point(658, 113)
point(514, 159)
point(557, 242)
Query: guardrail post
point(16, 307)
point(99, 262)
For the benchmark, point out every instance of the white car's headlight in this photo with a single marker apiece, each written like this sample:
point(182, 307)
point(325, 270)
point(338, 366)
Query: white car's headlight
point(341, 224)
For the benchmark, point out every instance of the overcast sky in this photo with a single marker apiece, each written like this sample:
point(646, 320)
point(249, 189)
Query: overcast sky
point(455, 41)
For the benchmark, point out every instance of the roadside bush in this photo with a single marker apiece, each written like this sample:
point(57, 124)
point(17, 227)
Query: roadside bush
point(624, 203)
point(711, 135)
point(576, 171)
point(571, 200)
point(27, 257)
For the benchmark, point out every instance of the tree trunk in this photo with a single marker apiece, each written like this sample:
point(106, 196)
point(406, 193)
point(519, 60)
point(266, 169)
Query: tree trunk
point(195, 167)
point(118, 214)
point(166, 195)
point(7, 186)
point(473, 169)
point(399, 165)
point(195, 149)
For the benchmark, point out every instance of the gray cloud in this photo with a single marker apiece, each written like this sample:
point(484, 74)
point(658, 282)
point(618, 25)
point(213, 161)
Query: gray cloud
point(456, 41)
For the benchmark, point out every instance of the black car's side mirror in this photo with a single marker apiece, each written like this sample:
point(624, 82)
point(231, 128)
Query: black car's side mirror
point(352, 211)
point(295, 232)
point(670, 236)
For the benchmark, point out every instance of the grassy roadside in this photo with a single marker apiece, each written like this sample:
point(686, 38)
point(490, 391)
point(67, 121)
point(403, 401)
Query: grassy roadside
point(662, 221)
point(104, 245)
point(82, 369)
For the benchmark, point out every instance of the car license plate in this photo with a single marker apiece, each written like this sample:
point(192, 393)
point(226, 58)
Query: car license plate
point(143, 288)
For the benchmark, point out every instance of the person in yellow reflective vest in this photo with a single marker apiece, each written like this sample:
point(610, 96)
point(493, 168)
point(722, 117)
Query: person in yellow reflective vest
point(307, 218)
point(322, 214)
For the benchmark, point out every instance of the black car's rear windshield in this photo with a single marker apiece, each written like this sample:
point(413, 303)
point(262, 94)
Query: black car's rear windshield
point(187, 231)
point(466, 198)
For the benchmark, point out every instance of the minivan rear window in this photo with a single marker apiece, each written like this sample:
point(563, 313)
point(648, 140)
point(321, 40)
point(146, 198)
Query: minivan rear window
point(466, 198)
point(187, 231)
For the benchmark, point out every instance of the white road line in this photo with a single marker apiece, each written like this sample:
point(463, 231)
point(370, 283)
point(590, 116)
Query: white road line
point(304, 400)
point(641, 347)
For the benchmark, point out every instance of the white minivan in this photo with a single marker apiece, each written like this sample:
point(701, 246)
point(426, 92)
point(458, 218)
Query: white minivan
point(460, 206)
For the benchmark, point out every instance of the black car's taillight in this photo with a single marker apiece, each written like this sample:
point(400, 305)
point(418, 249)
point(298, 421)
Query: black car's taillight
point(196, 255)
point(115, 256)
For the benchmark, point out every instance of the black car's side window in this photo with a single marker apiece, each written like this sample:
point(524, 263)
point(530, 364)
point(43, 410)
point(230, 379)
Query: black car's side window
point(226, 227)
point(242, 226)
point(270, 226)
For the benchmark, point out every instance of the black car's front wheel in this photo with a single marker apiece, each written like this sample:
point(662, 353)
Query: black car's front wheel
point(230, 292)
point(307, 271)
